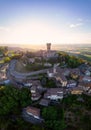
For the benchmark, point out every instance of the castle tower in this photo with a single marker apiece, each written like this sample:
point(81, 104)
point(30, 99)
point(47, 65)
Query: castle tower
point(48, 46)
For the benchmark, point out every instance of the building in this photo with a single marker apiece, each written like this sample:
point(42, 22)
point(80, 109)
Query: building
point(1, 55)
point(54, 94)
point(71, 83)
point(27, 84)
point(32, 111)
point(7, 81)
point(61, 78)
point(48, 47)
point(85, 69)
point(3, 76)
point(44, 102)
point(35, 94)
point(50, 73)
point(47, 65)
point(85, 86)
point(86, 79)
point(77, 91)
point(75, 73)
point(50, 53)
point(66, 71)
point(31, 60)
point(87, 73)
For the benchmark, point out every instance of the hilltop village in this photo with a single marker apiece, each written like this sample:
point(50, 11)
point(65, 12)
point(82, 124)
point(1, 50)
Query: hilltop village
point(49, 75)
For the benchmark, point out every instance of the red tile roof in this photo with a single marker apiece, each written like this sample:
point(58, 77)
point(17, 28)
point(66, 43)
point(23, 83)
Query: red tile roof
point(34, 111)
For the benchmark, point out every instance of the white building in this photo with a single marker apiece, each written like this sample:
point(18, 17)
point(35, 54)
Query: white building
point(54, 94)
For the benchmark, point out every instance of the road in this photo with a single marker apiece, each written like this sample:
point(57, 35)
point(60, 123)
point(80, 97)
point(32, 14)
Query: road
point(22, 76)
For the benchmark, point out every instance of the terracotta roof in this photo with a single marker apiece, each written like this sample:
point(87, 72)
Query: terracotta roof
point(85, 79)
point(77, 88)
point(85, 84)
point(33, 110)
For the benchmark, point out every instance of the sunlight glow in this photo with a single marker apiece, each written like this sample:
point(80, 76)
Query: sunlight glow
point(39, 32)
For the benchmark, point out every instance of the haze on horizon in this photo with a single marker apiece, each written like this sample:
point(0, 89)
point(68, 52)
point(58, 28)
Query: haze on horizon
point(41, 21)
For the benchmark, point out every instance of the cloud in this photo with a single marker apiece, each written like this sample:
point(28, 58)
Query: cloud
point(75, 25)
point(38, 32)
point(2, 28)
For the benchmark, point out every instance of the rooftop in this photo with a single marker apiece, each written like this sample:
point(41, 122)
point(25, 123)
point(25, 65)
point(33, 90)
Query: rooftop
point(54, 91)
point(33, 110)
point(44, 102)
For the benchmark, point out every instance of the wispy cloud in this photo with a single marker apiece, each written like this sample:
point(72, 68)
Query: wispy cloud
point(79, 22)
point(75, 25)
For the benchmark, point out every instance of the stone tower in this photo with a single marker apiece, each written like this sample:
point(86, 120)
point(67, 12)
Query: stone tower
point(48, 46)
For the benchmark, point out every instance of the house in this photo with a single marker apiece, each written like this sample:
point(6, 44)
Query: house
point(38, 58)
point(24, 59)
point(7, 81)
point(77, 91)
point(35, 95)
point(75, 73)
point(27, 84)
point(47, 65)
point(44, 102)
point(32, 111)
point(83, 67)
point(31, 60)
point(3, 76)
point(66, 72)
point(89, 91)
point(50, 73)
point(85, 86)
point(4, 68)
point(54, 94)
point(61, 78)
point(51, 54)
point(87, 73)
point(10, 54)
point(1, 54)
point(71, 83)
point(86, 79)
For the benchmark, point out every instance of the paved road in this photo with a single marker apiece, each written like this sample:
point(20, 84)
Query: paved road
point(18, 75)
point(15, 77)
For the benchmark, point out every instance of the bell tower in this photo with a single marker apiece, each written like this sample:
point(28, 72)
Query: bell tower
point(48, 46)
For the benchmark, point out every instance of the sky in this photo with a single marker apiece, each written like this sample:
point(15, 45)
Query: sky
point(42, 21)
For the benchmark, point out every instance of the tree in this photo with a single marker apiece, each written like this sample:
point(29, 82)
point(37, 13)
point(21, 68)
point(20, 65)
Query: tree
point(6, 59)
point(12, 101)
point(54, 118)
